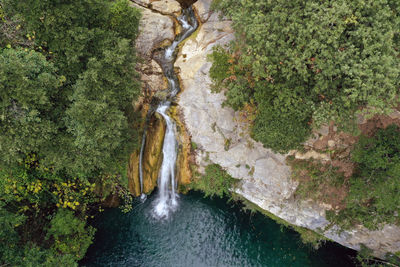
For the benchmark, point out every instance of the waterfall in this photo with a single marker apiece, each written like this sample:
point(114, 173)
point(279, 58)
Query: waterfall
point(167, 199)
point(142, 196)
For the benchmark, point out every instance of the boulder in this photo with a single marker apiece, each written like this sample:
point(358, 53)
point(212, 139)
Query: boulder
point(203, 9)
point(170, 7)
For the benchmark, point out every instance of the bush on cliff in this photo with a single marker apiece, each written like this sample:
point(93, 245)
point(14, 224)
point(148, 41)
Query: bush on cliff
point(215, 181)
point(374, 197)
point(304, 63)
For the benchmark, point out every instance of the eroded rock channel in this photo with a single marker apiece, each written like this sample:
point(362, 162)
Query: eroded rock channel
point(156, 159)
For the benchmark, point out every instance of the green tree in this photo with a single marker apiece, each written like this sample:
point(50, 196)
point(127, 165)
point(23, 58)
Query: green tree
point(9, 237)
point(124, 19)
point(95, 62)
point(98, 117)
point(27, 85)
point(74, 31)
point(66, 118)
point(72, 237)
point(305, 63)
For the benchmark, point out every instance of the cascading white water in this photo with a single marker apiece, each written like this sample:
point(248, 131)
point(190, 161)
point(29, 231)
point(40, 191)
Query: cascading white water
point(142, 196)
point(166, 201)
point(167, 198)
point(188, 29)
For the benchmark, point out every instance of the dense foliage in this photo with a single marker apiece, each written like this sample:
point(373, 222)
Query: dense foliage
point(304, 63)
point(374, 191)
point(67, 82)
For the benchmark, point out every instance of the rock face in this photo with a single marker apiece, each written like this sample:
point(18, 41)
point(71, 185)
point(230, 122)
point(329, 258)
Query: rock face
point(152, 158)
point(154, 29)
point(166, 7)
point(265, 178)
point(133, 174)
point(184, 172)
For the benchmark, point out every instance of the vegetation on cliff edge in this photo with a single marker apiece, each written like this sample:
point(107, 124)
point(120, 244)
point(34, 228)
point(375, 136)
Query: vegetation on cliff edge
point(304, 63)
point(214, 182)
point(373, 197)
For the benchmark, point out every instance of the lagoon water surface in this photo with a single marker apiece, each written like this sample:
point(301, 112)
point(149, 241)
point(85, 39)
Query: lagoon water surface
point(203, 232)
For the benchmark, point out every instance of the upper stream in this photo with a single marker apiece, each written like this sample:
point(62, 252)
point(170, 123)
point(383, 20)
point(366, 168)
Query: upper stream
point(167, 197)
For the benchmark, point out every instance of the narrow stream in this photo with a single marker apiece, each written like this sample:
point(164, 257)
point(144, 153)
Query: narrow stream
point(167, 197)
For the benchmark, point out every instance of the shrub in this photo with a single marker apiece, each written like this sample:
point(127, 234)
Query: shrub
point(215, 181)
point(123, 19)
point(374, 190)
point(308, 62)
point(70, 234)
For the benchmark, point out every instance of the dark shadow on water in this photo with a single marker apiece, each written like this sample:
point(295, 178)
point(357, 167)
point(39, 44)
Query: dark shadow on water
point(203, 232)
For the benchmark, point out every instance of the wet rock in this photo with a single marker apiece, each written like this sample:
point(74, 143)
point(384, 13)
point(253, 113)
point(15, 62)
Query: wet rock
point(184, 172)
point(186, 3)
point(133, 174)
point(154, 29)
point(152, 156)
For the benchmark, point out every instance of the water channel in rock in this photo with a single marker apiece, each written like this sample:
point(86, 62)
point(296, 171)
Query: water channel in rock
point(167, 200)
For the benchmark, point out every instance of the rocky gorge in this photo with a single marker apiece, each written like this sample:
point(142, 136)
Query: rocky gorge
point(219, 134)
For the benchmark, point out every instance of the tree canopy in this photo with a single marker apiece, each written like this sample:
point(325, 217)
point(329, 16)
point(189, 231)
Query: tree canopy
point(67, 83)
point(304, 63)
